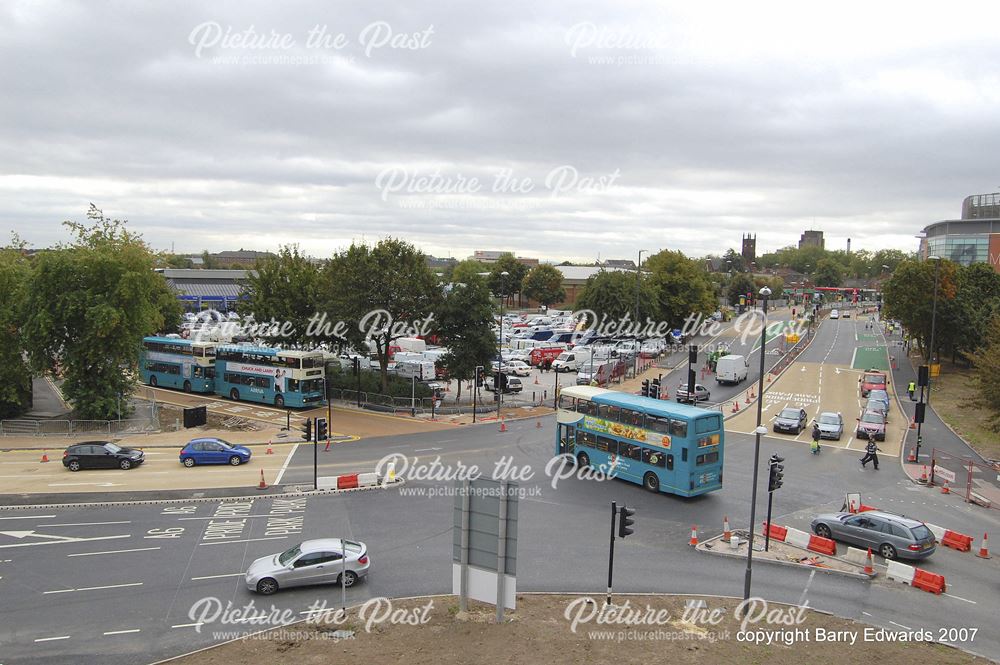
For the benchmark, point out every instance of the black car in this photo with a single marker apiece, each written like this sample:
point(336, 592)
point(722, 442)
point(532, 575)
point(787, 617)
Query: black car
point(101, 455)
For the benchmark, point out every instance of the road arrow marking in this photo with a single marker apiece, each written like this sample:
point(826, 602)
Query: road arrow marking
point(94, 484)
point(24, 534)
point(63, 540)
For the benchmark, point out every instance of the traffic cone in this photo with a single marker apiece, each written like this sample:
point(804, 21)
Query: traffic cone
point(45, 457)
point(536, 380)
point(769, 377)
point(984, 550)
point(327, 449)
point(748, 400)
point(503, 426)
point(752, 395)
point(736, 406)
point(726, 533)
point(913, 422)
point(694, 536)
point(912, 457)
point(270, 451)
point(869, 568)
point(923, 475)
point(944, 488)
point(262, 485)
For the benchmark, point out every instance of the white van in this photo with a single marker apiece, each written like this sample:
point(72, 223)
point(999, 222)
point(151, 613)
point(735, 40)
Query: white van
point(571, 361)
point(423, 370)
point(731, 369)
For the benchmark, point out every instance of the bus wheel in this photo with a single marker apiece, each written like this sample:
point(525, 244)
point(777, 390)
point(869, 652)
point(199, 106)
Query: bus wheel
point(187, 386)
point(584, 459)
point(279, 401)
point(152, 380)
point(651, 482)
point(234, 395)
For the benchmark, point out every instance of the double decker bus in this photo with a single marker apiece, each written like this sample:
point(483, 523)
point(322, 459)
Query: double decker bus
point(270, 376)
point(664, 446)
point(169, 362)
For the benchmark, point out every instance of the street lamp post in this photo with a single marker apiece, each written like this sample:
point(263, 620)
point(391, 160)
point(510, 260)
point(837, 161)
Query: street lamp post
point(764, 294)
point(638, 274)
point(497, 384)
point(937, 271)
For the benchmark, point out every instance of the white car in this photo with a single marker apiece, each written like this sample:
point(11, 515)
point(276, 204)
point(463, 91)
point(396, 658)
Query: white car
point(835, 314)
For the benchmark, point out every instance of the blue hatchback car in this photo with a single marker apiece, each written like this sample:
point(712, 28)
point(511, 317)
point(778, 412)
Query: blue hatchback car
point(213, 451)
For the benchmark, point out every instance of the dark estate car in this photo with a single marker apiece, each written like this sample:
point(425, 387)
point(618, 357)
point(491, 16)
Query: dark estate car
point(101, 455)
point(790, 420)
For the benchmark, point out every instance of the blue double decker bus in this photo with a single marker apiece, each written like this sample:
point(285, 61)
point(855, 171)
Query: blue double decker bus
point(271, 376)
point(170, 362)
point(664, 446)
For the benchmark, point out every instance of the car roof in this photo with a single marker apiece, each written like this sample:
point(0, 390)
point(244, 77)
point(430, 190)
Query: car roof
point(89, 443)
point(892, 517)
point(321, 545)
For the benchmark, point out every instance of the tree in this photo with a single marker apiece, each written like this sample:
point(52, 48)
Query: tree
point(740, 285)
point(88, 306)
point(968, 316)
point(733, 261)
point(509, 285)
point(209, 262)
point(610, 294)
point(381, 293)
point(285, 288)
point(681, 287)
point(15, 376)
point(544, 285)
point(469, 271)
point(909, 297)
point(986, 369)
point(465, 326)
point(828, 273)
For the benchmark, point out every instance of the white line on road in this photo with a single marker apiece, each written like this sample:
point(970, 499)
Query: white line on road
point(63, 542)
point(50, 639)
point(284, 466)
point(212, 577)
point(29, 517)
point(224, 518)
point(865, 613)
point(248, 540)
point(900, 625)
point(94, 588)
point(139, 549)
point(123, 632)
point(188, 625)
point(959, 598)
point(87, 523)
point(425, 450)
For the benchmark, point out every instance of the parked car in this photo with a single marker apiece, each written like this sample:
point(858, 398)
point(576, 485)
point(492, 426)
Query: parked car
point(871, 422)
point(834, 314)
point(509, 384)
point(213, 451)
point(831, 425)
point(318, 561)
point(879, 397)
point(892, 536)
point(790, 420)
point(877, 405)
point(872, 379)
point(701, 394)
point(517, 368)
point(101, 455)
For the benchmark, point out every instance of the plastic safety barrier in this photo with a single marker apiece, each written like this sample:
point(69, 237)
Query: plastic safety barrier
point(797, 538)
point(347, 482)
point(952, 539)
point(823, 545)
point(774, 531)
point(928, 581)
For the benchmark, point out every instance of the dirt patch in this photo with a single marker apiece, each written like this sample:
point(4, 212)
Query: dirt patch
point(171, 419)
point(954, 399)
point(542, 631)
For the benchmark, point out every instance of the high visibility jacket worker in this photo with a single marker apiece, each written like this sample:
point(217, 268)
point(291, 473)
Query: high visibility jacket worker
point(911, 388)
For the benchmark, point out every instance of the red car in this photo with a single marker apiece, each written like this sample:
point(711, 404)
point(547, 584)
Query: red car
point(872, 379)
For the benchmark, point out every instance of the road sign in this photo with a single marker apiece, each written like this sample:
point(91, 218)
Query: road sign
point(484, 543)
point(944, 474)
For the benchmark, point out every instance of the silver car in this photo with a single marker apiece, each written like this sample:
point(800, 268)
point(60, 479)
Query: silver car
point(891, 536)
point(831, 425)
point(311, 562)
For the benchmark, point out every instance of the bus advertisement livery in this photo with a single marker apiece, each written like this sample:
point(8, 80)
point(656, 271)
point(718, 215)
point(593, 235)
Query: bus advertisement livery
point(664, 446)
point(270, 376)
point(178, 363)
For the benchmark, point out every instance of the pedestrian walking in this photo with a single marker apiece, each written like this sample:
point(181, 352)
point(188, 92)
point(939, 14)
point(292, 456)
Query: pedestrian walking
point(911, 388)
point(871, 453)
point(815, 439)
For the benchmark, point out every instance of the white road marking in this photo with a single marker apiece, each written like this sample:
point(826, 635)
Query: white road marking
point(424, 450)
point(86, 523)
point(90, 484)
point(51, 639)
point(139, 549)
point(29, 517)
point(188, 625)
point(216, 517)
point(900, 625)
point(212, 577)
point(865, 613)
point(94, 588)
point(248, 540)
point(122, 632)
point(959, 598)
point(25, 534)
point(284, 466)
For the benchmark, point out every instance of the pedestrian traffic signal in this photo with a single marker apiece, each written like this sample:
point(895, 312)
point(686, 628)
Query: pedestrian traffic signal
point(775, 475)
point(480, 376)
point(321, 432)
point(919, 412)
point(357, 366)
point(307, 429)
point(693, 354)
point(625, 521)
point(645, 388)
point(923, 375)
point(654, 388)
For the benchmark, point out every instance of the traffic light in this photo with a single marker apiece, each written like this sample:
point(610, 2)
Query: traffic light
point(775, 475)
point(693, 354)
point(654, 388)
point(357, 366)
point(625, 521)
point(307, 429)
point(480, 376)
point(919, 412)
point(645, 388)
point(321, 433)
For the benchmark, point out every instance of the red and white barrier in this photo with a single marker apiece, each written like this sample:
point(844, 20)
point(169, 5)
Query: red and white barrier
point(952, 539)
point(918, 578)
point(797, 538)
point(775, 531)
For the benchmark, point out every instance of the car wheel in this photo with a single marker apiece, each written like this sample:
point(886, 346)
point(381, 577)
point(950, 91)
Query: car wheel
point(187, 386)
point(125, 465)
point(189, 462)
point(583, 459)
point(651, 482)
point(235, 460)
point(152, 380)
point(74, 465)
point(234, 395)
point(887, 551)
point(349, 578)
point(823, 531)
point(267, 586)
point(279, 401)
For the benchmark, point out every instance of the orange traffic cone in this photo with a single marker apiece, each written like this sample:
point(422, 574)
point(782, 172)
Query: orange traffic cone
point(913, 423)
point(984, 550)
point(694, 536)
point(45, 457)
point(923, 474)
point(503, 426)
point(726, 533)
point(912, 457)
point(944, 488)
point(748, 400)
point(262, 485)
point(736, 406)
point(536, 380)
point(769, 377)
point(269, 450)
point(752, 395)
point(869, 568)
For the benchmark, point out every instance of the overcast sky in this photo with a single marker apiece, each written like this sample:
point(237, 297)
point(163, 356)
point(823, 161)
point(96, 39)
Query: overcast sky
point(555, 130)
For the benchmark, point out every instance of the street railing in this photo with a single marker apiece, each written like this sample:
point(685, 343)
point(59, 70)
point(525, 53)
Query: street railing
point(76, 427)
point(976, 482)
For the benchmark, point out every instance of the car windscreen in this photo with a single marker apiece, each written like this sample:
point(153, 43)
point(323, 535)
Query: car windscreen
point(112, 448)
point(789, 413)
point(288, 555)
point(872, 417)
point(829, 420)
point(352, 546)
point(874, 378)
point(920, 532)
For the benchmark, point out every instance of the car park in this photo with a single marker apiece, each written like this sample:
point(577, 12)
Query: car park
point(891, 536)
point(701, 394)
point(101, 455)
point(320, 561)
point(790, 420)
point(831, 425)
point(871, 423)
point(212, 450)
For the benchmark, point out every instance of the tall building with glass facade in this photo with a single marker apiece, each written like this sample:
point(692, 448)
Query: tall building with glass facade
point(975, 238)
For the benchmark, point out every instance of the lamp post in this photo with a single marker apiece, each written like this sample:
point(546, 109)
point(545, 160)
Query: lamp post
point(764, 293)
point(497, 384)
point(638, 275)
point(937, 271)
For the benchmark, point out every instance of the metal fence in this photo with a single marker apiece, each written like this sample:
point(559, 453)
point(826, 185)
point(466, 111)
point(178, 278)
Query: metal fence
point(144, 419)
point(976, 482)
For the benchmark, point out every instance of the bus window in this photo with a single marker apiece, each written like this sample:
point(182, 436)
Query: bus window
point(630, 450)
point(670, 462)
point(709, 424)
point(655, 457)
point(567, 402)
point(612, 413)
point(710, 458)
point(310, 363)
point(658, 424)
point(197, 372)
point(586, 407)
point(684, 454)
point(294, 363)
point(678, 428)
point(293, 386)
point(586, 438)
point(633, 418)
point(607, 445)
